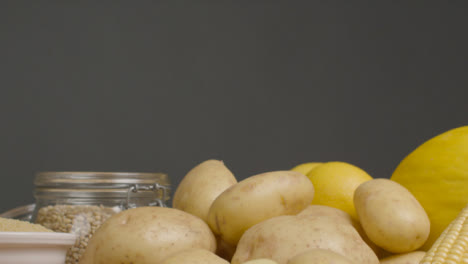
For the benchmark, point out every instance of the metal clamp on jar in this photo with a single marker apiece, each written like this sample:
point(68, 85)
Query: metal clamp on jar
point(79, 202)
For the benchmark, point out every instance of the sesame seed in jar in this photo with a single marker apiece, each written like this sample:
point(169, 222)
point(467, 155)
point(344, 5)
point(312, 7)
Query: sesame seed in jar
point(82, 220)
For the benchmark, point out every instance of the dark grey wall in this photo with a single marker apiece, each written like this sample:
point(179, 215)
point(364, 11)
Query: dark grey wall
point(263, 85)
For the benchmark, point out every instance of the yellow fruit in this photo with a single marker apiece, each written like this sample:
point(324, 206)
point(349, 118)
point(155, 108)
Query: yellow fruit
point(305, 168)
point(436, 173)
point(335, 183)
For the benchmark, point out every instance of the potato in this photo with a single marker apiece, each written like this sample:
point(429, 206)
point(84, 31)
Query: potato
point(342, 216)
point(283, 237)
point(194, 256)
point(406, 258)
point(379, 252)
point(260, 261)
point(224, 250)
point(391, 216)
point(200, 187)
point(319, 256)
point(147, 235)
point(258, 198)
point(329, 212)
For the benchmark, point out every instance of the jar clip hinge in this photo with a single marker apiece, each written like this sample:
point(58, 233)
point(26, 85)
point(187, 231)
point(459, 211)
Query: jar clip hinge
point(155, 188)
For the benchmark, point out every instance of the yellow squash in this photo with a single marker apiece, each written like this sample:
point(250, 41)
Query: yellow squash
point(436, 173)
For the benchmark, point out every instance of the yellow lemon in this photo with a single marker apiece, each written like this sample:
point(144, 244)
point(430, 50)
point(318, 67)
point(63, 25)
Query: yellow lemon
point(305, 168)
point(436, 173)
point(335, 183)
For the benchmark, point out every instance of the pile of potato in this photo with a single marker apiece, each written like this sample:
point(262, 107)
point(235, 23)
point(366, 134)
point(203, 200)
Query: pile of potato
point(265, 219)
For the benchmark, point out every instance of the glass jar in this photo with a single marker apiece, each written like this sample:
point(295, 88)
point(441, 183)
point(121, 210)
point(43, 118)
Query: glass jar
point(79, 202)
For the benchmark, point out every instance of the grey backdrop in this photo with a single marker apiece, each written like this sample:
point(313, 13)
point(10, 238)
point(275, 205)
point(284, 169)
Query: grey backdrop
point(262, 85)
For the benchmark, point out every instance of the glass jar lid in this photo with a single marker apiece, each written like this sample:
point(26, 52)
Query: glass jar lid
point(98, 179)
point(67, 184)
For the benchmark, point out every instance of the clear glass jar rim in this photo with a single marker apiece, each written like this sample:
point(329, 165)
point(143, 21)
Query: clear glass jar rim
point(83, 178)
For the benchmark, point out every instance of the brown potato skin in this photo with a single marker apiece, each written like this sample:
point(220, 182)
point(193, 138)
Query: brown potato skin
point(320, 256)
point(147, 235)
point(283, 237)
point(258, 198)
point(260, 261)
point(336, 214)
point(200, 187)
point(194, 256)
point(224, 250)
point(391, 216)
point(344, 217)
